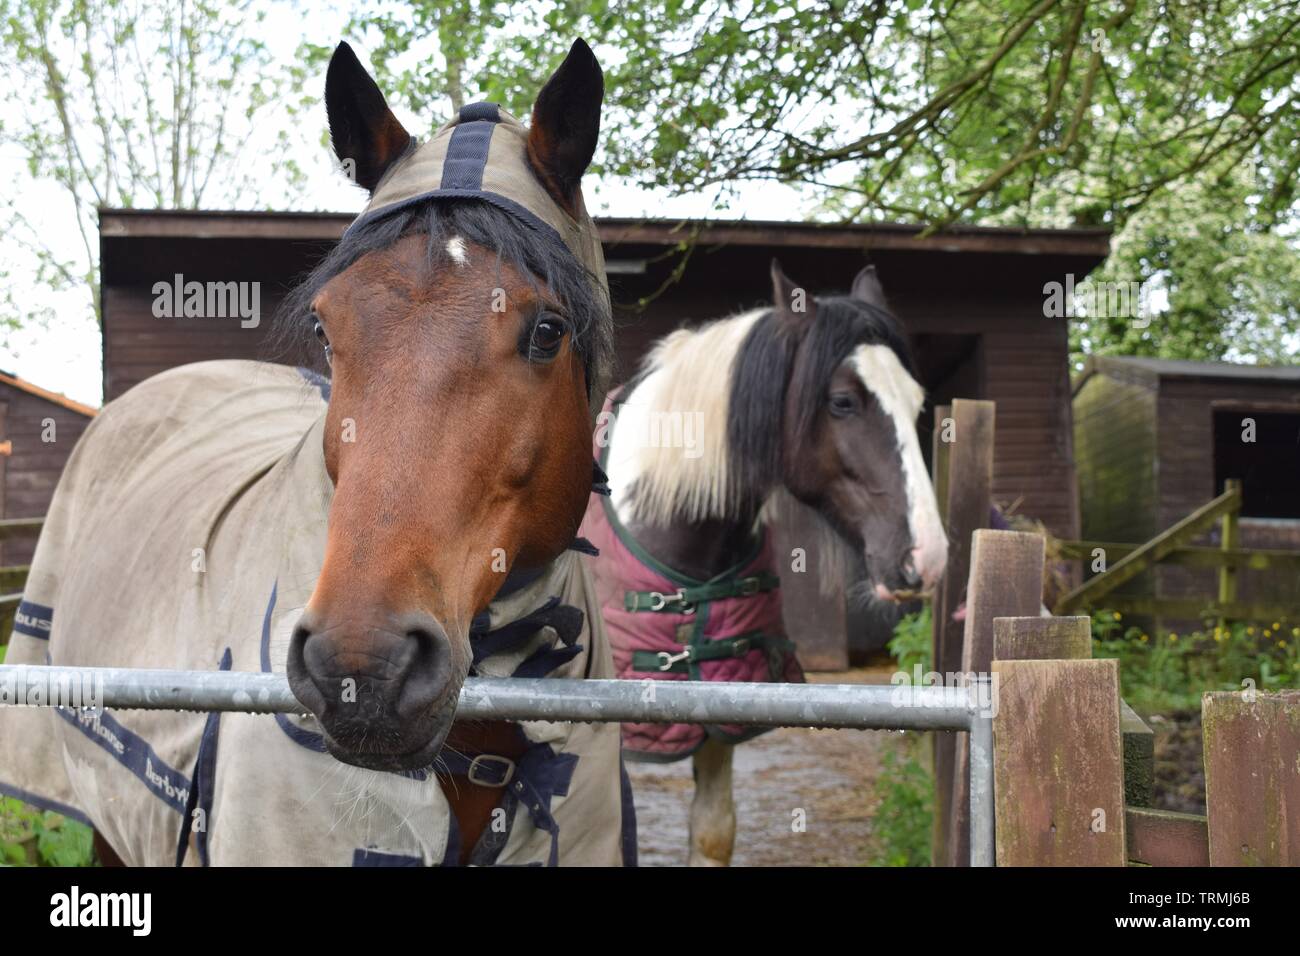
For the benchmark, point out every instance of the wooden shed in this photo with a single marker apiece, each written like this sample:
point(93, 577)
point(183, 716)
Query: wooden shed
point(1157, 438)
point(972, 300)
point(38, 429)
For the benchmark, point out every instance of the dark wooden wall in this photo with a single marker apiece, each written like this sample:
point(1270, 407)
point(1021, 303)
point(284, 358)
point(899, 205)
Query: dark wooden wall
point(1186, 479)
point(33, 466)
point(1144, 449)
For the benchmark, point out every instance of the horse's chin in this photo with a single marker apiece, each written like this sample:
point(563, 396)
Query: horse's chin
point(421, 758)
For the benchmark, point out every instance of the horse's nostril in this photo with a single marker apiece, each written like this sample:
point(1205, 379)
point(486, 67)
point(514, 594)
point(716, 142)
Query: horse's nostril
point(302, 681)
point(430, 671)
point(911, 577)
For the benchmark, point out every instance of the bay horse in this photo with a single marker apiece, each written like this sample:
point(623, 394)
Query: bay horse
point(810, 405)
point(377, 534)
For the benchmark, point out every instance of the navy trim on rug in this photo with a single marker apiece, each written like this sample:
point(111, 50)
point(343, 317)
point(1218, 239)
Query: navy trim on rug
point(203, 786)
point(135, 755)
point(33, 620)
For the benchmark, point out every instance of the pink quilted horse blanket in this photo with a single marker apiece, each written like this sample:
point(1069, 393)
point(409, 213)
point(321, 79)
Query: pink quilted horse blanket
point(663, 625)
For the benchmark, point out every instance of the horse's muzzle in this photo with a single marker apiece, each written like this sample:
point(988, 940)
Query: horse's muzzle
point(384, 691)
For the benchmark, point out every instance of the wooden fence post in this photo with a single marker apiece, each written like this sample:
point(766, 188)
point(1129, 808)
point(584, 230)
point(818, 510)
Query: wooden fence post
point(1252, 777)
point(1042, 638)
point(963, 482)
point(1070, 638)
point(1006, 580)
point(1231, 538)
point(1058, 777)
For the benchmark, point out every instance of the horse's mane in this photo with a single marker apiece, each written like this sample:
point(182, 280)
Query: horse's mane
point(533, 253)
point(735, 371)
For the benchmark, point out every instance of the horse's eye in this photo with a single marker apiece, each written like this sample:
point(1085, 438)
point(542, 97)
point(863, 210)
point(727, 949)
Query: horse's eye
point(319, 330)
point(545, 337)
point(843, 404)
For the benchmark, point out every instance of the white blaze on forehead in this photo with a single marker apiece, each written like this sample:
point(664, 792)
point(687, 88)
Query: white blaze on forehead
point(901, 397)
point(456, 249)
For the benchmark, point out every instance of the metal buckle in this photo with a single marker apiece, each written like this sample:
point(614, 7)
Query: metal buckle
point(477, 765)
point(749, 586)
point(666, 660)
point(740, 646)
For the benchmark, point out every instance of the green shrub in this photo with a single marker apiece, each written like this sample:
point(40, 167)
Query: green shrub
point(31, 837)
point(912, 641)
point(1170, 671)
point(904, 817)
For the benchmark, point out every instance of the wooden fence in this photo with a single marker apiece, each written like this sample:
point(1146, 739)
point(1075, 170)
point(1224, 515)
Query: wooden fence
point(1073, 764)
point(14, 577)
point(1072, 771)
point(1173, 546)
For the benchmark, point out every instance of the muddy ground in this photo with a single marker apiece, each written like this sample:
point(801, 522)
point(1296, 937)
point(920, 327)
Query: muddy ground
point(829, 774)
point(1179, 767)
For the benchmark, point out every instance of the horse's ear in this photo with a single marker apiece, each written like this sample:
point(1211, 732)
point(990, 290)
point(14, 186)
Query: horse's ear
point(793, 303)
point(867, 288)
point(566, 124)
point(366, 135)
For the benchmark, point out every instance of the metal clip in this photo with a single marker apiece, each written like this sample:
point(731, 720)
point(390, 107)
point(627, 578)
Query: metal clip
point(660, 601)
point(666, 660)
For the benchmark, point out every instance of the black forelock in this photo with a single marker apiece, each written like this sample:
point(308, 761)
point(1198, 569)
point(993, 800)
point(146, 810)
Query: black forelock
point(763, 371)
point(841, 325)
point(533, 253)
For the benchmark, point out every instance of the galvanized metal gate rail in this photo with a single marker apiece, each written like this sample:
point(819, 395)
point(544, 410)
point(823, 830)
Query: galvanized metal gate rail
point(861, 706)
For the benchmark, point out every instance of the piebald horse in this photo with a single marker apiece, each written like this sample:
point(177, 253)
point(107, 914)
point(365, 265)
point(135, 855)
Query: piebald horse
point(810, 404)
point(379, 534)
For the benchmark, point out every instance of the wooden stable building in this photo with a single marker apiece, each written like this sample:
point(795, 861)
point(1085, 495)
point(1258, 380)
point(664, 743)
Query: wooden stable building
point(38, 429)
point(1155, 439)
point(972, 300)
